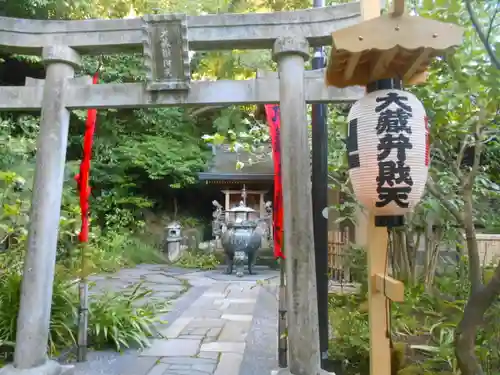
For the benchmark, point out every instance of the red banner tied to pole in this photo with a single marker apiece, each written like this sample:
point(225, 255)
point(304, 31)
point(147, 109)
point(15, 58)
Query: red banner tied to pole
point(273, 119)
point(82, 179)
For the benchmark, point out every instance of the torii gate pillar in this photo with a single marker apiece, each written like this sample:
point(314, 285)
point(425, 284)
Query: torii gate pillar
point(302, 316)
point(30, 356)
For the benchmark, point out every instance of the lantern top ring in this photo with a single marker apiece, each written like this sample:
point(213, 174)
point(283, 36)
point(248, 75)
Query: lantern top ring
point(385, 84)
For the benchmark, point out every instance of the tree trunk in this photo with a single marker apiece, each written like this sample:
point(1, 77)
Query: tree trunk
point(433, 236)
point(475, 274)
point(175, 207)
point(480, 299)
point(465, 336)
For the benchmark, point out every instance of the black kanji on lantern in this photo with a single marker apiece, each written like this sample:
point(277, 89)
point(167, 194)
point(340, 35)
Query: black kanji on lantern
point(394, 121)
point(393, 98)
point(390, 142)
point(397, 195)
point(391, 172)
point(352, 145)
point(394, 181)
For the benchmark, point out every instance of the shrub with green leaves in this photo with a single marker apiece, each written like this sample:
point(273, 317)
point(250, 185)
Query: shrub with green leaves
point(63, 317)
point(198, 259)
point(117, 320)
point(423, 326)
point(115, 250)
point(121, 320)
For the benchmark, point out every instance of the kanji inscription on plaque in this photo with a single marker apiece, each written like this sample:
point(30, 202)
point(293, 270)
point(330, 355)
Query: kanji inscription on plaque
point(166, 52)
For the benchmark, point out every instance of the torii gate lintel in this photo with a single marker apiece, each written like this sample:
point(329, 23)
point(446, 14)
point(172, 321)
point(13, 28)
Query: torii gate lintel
point(262, 90)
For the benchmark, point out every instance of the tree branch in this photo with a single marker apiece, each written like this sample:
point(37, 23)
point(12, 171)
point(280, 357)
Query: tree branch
point(199, 111)
point(434, 190)
point(475, 274)
point(491, 26)
point(465, 337)
point(460, 157)
point(481, 34)
point(492, 289)
point(478, 150)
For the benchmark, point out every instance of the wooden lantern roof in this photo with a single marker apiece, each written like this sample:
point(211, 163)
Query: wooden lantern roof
point(389, 46)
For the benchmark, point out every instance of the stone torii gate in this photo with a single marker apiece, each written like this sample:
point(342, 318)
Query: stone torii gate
point(165, 41)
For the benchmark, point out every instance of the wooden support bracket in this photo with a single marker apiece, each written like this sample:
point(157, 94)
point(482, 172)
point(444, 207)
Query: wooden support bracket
point(391, 288)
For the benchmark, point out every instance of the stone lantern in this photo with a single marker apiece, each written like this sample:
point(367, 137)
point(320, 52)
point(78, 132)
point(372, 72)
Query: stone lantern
point(173, 241)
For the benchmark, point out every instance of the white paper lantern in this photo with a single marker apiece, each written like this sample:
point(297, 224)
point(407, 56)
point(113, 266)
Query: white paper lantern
point(388, 151)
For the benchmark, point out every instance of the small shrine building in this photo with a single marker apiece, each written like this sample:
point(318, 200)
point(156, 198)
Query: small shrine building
point(256, 181)
point(256, 177)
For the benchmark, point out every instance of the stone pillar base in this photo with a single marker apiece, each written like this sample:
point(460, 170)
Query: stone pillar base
point(49, 368)
point(286, 371)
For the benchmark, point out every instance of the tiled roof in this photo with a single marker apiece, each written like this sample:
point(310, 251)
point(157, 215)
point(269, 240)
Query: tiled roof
point(258, 165)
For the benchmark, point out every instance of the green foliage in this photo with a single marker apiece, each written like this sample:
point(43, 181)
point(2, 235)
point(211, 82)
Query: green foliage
point(114, 320)
point(355, 259)
point(197, 260)
point(424, 324)
point(116, 250)
point(63, 317)
point(117, 320)
point(423, 327)
point(350, 328)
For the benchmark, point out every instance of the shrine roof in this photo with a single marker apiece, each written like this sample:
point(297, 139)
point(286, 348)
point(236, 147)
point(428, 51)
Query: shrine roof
point(224, 161)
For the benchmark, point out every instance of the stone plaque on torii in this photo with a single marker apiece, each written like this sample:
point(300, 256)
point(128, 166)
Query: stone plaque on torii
point(166, 52)
point(165, 40)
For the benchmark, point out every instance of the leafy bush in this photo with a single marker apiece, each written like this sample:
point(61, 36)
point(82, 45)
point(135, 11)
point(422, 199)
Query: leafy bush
point(63, 317)
point(423, 329)
point(198, 259)
point(115, 250)
point(116, 319)
point(351, 332)
point(355, 259)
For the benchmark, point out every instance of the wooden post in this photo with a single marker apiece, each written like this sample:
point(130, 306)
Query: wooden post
point(380, 354)
point(380, 288)
point(227, 203)
point(262, 208)
point(371, 8)
point(227, 199)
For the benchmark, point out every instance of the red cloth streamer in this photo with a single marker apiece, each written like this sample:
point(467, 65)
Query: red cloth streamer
point(82, 179)
point(273, 119)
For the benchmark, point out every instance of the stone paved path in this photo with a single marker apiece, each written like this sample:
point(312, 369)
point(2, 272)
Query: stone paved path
point(223, 325)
